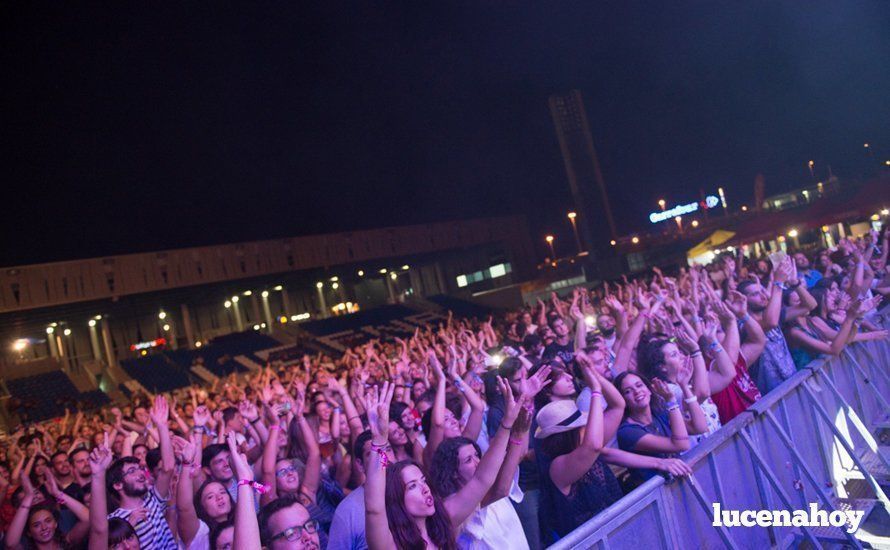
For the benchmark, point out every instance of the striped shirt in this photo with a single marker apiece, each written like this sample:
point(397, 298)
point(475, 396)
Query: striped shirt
point(153, 531)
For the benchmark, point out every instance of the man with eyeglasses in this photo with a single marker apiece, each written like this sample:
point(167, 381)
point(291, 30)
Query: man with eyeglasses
point(285, 525)
point(141, 504)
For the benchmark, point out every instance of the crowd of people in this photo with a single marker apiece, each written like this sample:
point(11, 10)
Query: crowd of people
point(506, 432)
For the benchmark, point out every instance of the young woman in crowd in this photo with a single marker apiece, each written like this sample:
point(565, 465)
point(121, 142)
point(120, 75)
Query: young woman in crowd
point(576, 483)
point(660, 430)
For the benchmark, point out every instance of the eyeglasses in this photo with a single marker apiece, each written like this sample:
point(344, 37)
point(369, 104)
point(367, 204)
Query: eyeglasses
point(131, 471)
point(284, 471)
point(292, 534)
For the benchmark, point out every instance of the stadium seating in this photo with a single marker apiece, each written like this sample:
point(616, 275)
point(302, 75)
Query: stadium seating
point(47, 395)
point(156, 372)
point(218, 355)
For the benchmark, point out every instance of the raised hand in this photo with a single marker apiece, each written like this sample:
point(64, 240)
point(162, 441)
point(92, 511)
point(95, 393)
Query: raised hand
point(160, 411)
point(201, 416)
point(511, 405)
point(685, 342)
point(53, 486)
point(377, 402)
point(723, 311)
point(684, 374)
point(248, 410)
point(784, 270)
point(709, 328)
point(661, 389)
point(239, 461)
point(530, 386)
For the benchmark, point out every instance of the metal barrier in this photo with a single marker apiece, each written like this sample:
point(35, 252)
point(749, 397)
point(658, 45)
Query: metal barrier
point(815, 438)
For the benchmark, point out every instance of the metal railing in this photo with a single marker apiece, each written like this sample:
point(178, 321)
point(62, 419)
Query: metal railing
point(816, 438)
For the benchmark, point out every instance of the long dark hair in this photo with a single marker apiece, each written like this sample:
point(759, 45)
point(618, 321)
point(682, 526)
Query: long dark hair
point(199, 505)
point(404, 531)
point(650, 358)
point(444, 477)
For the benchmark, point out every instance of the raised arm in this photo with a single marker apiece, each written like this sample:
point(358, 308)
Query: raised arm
point(678, 442)
point(723, 372)
point(464, 502)
point(20, 519)
point(773, 312)
point(437, 426)
point(160, 414)
point(700, 382)
point(377, 533)
point(100, 459)
point(247, 529)
point(187, 518)
point(565, 470)
point(312, 477)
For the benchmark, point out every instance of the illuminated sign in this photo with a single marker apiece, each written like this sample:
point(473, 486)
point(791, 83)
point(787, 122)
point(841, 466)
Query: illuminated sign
point(710, 202)
point(149, 344)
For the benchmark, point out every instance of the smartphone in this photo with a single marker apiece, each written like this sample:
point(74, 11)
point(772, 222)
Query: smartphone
point(776, 258)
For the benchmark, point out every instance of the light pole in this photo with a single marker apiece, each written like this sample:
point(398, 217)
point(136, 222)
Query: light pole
point(549, 239)
point(572, 216)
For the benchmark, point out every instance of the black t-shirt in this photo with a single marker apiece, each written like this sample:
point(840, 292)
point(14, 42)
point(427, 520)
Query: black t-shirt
point(565, 352)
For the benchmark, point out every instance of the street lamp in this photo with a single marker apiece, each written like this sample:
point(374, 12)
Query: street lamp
point(549, 239)
point(635, 240)
point(662, 204)
point(572, 216)
point(694, 223)
point(810, 164)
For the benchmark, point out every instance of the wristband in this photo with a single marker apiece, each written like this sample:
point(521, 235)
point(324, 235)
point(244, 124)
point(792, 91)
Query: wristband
point(254, 421)
point(274, 427)
point(783, 286)
point(258, 487)
point(690, 400)
point(515, 442)
point(199, 430)
point(338, 410)
point(672, 404)
point(381, 452)
point(508, 428)
point(715, 347)
point(744, 319)
point(696, 353)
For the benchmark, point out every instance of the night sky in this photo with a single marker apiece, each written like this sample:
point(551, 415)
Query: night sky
point(130, 129)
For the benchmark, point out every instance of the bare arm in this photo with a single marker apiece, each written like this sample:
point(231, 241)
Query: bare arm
point(463, 503)
point(377, 531)
point(247, 529)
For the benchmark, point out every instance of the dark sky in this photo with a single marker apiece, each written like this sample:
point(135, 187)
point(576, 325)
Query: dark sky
point(142, 128)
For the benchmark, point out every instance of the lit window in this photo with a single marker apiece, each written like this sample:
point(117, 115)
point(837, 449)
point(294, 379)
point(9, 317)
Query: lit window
point(497, 271)
point(461, 281)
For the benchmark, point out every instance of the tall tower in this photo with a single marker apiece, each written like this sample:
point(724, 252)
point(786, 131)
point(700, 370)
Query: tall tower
point(582, 169)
